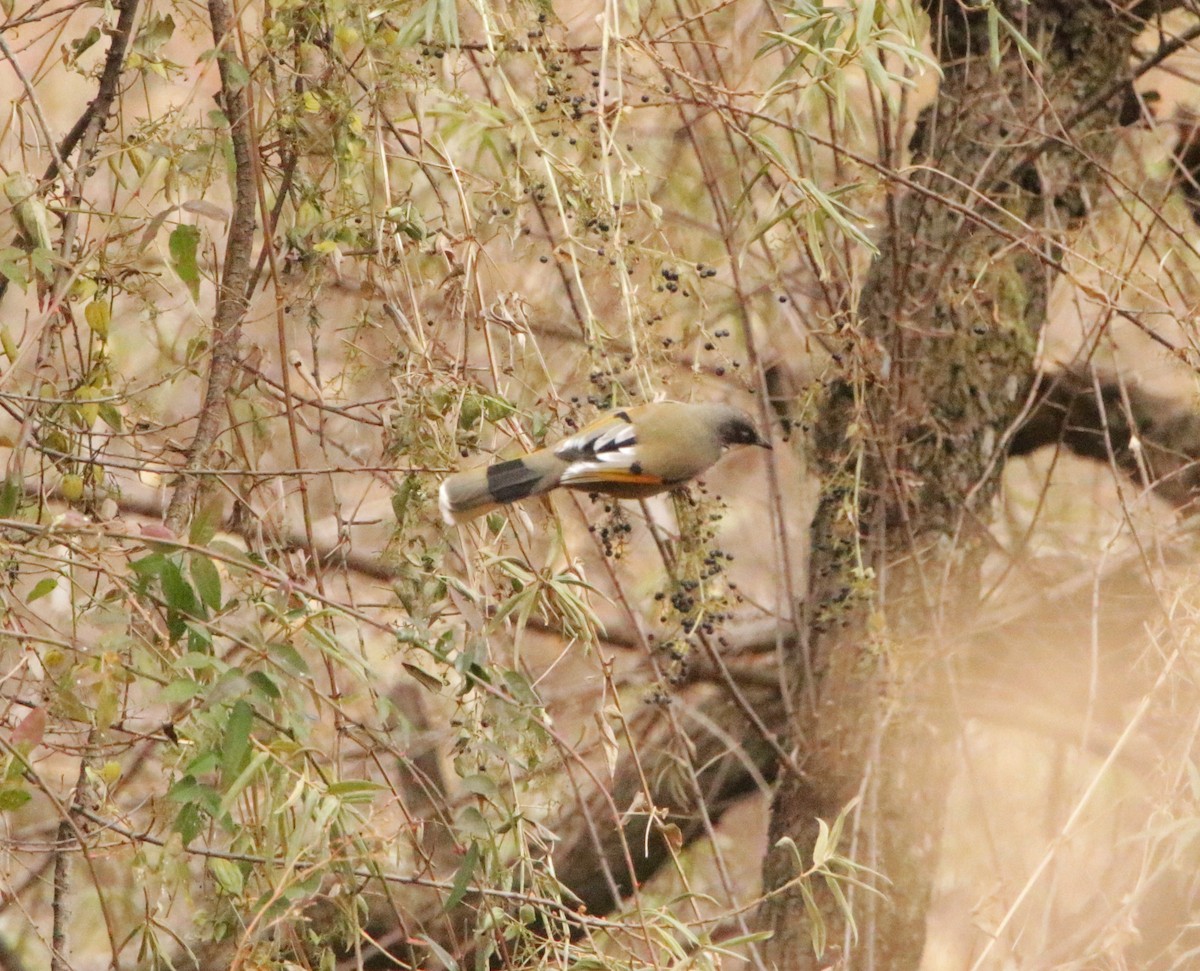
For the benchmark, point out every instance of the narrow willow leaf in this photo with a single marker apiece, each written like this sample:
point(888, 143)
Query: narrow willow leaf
point(462, 879)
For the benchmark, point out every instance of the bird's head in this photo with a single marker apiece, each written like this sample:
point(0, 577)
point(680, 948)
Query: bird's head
point(736, 428)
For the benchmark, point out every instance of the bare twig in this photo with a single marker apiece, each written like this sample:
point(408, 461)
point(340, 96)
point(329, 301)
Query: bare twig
point(65, 841)
point(34, 102)
point(59, 907)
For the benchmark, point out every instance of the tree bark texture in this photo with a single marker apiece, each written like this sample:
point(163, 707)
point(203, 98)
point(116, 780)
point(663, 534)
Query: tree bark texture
point(909, 441)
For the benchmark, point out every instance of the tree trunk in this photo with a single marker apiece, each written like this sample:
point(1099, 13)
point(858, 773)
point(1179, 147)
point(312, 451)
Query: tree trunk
point(909, 443)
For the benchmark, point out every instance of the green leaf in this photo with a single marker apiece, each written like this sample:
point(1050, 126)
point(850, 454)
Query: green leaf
point(355, 790)
point(13, 769)
point(482, 785)
point(207, 580)
point(843, 905)
point(41, 588)
point(10, 496)
point(993, 23)
point(148, 566)
point(445, 958)
point(189, 821)
point(188, 791)
point(183, 244)
point(111, 416)
point(421, 24)
point(264, 683)
point(290, 658)
point(155, 31)
point(42, 259)
point(185, 790)
point(410, 487)
point(816, 921)
point(463, 878)
point(520, 687)
point(471, 822)
point(228, 875)
point(107, 705)
point(423, 677)
point(199, 661)
point(177, 592)
point(81, 44)
point(177, 691)
point(12, 798)
point(1027, 49)
point(201, 764)
point(822, 848)
point(199, 639)
point(235, 746)
point(244, 778)
point(301, 889)
point(235, 71)
point(12, 266)
point(204, 525)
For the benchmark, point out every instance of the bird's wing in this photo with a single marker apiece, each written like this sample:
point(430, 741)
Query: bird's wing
point(604, 451)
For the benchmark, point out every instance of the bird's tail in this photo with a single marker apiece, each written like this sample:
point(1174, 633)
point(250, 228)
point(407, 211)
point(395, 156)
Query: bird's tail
point(465, 495)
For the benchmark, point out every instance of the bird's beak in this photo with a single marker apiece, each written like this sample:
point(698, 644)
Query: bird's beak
point(763, 443)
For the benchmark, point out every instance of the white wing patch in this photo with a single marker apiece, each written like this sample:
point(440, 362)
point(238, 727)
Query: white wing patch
point(610, 447)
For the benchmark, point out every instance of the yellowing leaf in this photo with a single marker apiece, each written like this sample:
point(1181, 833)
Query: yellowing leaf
point(98, 315)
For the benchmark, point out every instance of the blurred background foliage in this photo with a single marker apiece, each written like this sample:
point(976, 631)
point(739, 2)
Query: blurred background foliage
point(319, 725)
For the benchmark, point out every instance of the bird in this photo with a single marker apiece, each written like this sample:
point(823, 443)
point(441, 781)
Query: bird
point(630, 453)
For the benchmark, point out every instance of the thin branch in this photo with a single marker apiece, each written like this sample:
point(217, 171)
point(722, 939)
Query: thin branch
point(1104, 421)
point(32, 16)
point(96, 113)
point(731, 761)
point(567, 911)
point(232, 302)
point(59, 907)
point(31, 95)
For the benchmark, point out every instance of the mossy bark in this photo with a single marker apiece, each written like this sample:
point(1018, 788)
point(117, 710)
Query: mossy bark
point(907, 447)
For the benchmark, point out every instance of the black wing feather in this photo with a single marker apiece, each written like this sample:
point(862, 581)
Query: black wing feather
point(510, 481)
